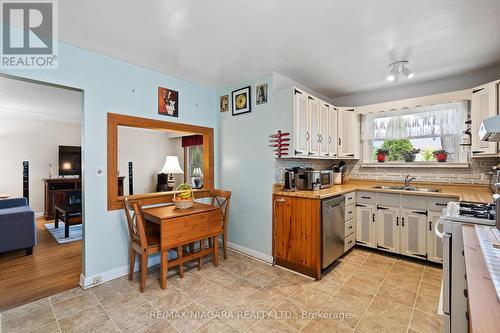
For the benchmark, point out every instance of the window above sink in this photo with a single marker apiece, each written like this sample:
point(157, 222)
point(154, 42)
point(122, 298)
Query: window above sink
point(409, 137)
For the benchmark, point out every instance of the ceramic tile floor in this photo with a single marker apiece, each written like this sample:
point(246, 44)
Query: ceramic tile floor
point(364, 292)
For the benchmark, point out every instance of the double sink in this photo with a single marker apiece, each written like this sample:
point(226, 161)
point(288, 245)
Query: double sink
point(408, 188)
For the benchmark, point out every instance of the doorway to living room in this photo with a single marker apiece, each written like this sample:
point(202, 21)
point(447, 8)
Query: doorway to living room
point(41, 220)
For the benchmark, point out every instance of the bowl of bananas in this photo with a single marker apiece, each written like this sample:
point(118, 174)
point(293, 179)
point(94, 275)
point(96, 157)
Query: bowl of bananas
point(183, 196)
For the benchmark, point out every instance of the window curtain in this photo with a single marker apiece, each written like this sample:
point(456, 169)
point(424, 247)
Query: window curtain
point(192, 140)
point(420, 122)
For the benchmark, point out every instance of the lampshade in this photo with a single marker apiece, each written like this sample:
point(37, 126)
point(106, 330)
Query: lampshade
point(197, 172)
point(66, 166)
point(171, 165)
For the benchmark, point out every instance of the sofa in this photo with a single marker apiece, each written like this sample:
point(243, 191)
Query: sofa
point(17, 226)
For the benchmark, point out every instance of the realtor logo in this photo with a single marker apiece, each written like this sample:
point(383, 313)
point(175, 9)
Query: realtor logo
point(29, 36)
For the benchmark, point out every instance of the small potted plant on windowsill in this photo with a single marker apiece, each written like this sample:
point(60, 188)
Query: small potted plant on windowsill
point(381, 154)
point(410, 156)
point(441, 155)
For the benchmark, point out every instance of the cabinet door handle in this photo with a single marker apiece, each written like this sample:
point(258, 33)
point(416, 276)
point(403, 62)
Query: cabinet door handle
point(329, 139)
point(340, 141)
point(397, 221)
point(307, 136)
point(430, 225)
point(373, 217)
point(402, 221)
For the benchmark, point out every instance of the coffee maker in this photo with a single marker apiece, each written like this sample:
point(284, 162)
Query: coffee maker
point(289, 180)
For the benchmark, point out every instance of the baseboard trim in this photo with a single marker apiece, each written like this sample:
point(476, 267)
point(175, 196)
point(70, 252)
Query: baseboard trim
point(94, 280)
point(252, 253)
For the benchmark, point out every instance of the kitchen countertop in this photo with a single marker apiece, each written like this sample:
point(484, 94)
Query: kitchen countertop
point(464, 192)
point(484, 307)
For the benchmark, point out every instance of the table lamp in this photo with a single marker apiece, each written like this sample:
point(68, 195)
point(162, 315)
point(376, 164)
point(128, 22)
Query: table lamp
point(170, 168)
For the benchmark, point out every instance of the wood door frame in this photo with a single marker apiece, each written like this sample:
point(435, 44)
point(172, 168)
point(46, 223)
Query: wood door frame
point(115, 120)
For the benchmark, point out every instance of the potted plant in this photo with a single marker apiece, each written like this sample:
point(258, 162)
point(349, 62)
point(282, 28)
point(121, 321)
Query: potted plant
point(381, 154)
point(441, 155)
point(410, 156)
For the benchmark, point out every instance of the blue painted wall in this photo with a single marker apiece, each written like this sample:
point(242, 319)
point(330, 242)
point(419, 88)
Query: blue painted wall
point(246, 168)
point(114, 86)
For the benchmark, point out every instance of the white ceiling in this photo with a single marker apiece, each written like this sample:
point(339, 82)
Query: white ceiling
point(26, 99)
point(335, 47)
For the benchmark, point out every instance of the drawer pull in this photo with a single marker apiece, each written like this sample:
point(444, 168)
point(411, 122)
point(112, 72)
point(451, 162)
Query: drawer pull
point(349, 242)
point(349, 212)
point(362, 197)
point(441, 204)
point(350, 227)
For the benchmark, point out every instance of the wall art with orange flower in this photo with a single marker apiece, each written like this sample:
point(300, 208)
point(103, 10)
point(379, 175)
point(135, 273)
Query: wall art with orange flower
point(242, 102)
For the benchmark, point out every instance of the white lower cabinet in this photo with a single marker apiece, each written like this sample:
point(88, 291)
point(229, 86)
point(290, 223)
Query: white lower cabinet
point(434, 243)
point(387, 222)
point(366, 231)
point(414, 233)
point(403, 225)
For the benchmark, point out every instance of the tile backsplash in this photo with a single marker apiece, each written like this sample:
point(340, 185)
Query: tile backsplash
point(477, 173)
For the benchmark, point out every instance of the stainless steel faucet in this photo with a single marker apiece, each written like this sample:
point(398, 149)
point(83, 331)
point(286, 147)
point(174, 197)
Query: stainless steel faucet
point(408, 180)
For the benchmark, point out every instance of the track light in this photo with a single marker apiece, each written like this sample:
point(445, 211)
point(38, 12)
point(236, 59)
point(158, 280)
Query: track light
point(399, 67)
point(393, 75)
point(407, 72)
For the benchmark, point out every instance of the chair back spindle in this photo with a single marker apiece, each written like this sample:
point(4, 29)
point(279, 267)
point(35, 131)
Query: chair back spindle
point(135, 222)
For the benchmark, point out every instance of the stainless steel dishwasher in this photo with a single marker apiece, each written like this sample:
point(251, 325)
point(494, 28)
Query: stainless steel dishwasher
point(332, 229)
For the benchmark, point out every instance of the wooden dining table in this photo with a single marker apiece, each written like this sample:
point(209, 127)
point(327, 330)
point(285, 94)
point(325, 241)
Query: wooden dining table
point(179, 227)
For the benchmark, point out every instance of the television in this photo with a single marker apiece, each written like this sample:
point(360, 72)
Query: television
point(70, 161)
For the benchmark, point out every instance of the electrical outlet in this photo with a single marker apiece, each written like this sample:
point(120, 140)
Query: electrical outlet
point(97, 280)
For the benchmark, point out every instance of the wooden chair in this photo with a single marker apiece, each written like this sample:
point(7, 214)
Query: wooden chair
point(143, 241)
point(221, 199)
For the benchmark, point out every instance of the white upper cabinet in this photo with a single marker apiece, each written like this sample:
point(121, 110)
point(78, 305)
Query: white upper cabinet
point(324, 133)
point(484, 105)
point(302, 135)
point(348, 133)
point(313, 105)
point(315, 126)
point(332, 131)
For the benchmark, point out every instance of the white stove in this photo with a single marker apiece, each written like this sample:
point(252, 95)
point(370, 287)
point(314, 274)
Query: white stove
point(453, 300)
point(470, 212)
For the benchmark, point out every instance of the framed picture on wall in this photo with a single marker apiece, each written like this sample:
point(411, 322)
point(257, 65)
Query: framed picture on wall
point(224, 103)
point(168, 102)
point(241, 101)
point(261, 94)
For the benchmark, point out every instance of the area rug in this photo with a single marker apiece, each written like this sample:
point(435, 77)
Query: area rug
point(75, 232)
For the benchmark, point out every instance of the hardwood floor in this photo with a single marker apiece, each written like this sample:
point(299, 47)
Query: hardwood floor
point(51, 269)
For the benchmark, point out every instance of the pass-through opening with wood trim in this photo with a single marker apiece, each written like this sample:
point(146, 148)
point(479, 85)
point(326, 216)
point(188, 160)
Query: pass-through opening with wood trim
point(115, 120)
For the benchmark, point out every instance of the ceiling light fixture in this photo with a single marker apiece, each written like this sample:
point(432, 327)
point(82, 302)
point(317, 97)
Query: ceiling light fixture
point(399, 67)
